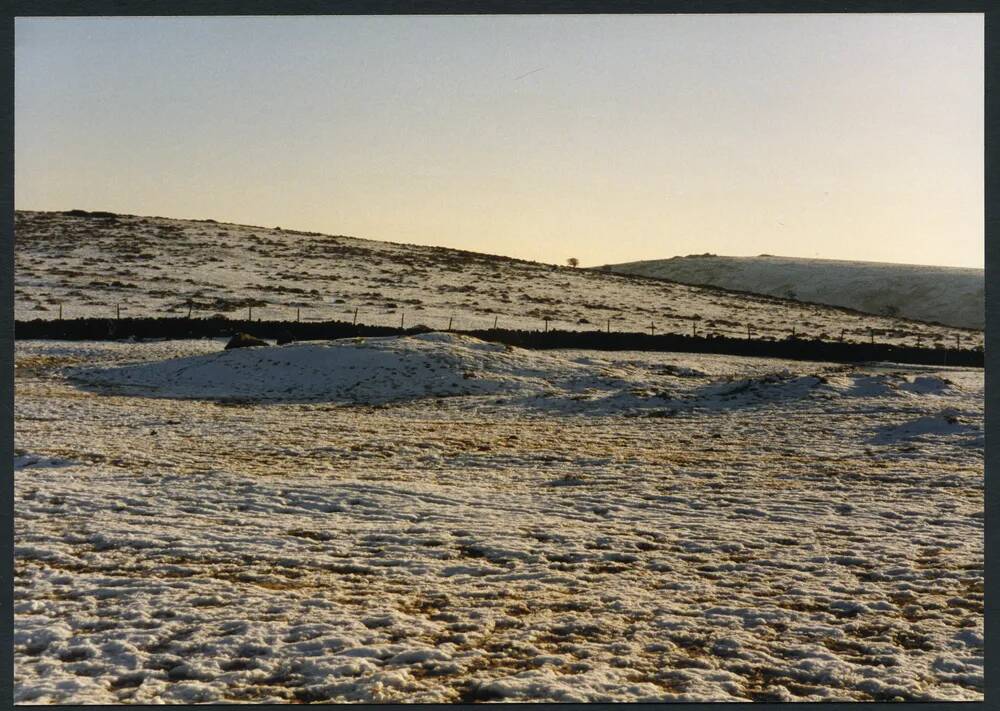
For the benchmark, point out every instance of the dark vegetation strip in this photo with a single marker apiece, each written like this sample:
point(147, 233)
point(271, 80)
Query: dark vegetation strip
point(96, 329)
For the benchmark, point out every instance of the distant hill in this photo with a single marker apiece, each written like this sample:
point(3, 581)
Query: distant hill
point(88, 264)
point(946, 295)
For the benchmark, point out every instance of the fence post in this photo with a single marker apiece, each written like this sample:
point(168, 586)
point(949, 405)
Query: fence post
point(546, 324)
point(402, 316)
point(871, 332)
point(609, 324)
point(748, 331)
point(495, 322)
point(694, 329)
point(249, 313)
point(118, 311)
point(918, 340)
point(793, 331)
point(449, 322)
point(355, 321)
point(958, 341)
point(298, 314)
point(60, 312)
point(189, 312)
point(842, 334)
point(652, 329)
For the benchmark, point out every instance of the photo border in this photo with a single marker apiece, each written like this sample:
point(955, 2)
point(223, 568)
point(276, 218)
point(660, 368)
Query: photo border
point(54, 8)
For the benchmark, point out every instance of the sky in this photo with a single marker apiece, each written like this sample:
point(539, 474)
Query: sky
point(609, 138)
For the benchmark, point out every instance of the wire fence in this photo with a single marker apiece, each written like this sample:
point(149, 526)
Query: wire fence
point(462, 321)
point(152, 328)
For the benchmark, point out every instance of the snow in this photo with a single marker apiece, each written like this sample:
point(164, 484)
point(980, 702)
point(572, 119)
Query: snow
point(267, 525)
point(158, 267)
point(28, 460)
point(948, 295)
point(369, 370)
point(943, 424)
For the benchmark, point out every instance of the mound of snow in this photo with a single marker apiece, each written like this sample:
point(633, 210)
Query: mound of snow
point(26, 461)
point(928, 385)
point(947, 295)
point(863, 385)
point(789, 385)
point(944, 424)
point(781, 385)
point(880, 385)
point(356, 370)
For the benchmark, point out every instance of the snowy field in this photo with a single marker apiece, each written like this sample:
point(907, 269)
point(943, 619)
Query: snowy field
point(155, 266)
point(947, 295)
point(435, 519)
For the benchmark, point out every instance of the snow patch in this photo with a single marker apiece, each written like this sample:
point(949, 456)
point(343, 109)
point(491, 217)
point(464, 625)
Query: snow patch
point(352, 370)
point(946, 424)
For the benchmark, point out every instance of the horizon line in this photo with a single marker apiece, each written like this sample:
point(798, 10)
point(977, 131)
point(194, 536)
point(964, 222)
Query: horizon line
point(507, 256)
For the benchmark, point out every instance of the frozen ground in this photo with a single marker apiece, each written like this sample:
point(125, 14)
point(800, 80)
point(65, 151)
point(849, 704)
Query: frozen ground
point(942, 294)
point(154, 266)
point(561, 526)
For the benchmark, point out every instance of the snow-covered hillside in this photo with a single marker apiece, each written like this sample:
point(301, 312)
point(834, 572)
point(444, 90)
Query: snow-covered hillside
point(945, 295)
point(157, 266)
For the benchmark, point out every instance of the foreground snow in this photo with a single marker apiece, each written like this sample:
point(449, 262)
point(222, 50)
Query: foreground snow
point(564, 526)
point(941, 294)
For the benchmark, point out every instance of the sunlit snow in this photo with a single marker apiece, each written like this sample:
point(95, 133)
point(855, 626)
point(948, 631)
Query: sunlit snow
point(437, 519)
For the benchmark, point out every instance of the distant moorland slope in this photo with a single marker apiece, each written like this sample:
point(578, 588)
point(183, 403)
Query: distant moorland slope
point(945, 295)
point(100, 265)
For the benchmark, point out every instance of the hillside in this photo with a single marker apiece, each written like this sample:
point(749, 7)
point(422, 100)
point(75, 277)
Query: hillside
point(945, 295)
point(90, 264)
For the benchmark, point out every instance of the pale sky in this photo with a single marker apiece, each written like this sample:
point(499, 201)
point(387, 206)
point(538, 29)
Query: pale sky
point(610, 138)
